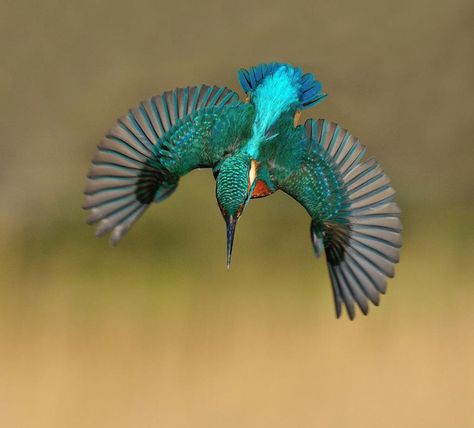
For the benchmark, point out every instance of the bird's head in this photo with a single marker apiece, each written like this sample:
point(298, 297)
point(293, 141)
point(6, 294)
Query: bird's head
point(235, 182)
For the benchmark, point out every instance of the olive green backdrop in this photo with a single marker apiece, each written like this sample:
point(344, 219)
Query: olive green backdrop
point(155, 332)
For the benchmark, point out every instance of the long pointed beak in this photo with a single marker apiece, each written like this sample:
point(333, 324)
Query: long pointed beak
point(231, 222)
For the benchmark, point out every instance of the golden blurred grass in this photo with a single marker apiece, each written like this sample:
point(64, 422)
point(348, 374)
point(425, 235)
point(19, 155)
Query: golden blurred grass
point(99, 337)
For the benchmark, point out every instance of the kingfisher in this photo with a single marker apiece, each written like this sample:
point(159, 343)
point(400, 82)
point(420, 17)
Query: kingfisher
point(255, 146)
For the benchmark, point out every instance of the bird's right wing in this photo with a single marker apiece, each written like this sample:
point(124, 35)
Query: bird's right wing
point(141, 158)
point(351, 202)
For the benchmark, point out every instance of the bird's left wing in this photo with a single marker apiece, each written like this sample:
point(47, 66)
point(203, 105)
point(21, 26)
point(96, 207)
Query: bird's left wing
point(351, 202)
point(141, 158)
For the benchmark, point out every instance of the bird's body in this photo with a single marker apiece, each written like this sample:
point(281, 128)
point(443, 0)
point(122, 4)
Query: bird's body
point(255, 148)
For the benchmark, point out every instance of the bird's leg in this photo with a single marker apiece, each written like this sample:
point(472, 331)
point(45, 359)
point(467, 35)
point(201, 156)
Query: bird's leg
point(296, 120)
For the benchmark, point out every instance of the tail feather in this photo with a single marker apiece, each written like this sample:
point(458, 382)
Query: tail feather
point(309, 89)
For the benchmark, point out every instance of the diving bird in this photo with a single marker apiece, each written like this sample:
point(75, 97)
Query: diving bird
point(255, 147)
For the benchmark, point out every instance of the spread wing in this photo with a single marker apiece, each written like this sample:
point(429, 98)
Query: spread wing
point(351, 203)
point(140, 160)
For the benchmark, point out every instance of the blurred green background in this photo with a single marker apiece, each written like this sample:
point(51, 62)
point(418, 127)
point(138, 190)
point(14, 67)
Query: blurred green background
point(155, 332)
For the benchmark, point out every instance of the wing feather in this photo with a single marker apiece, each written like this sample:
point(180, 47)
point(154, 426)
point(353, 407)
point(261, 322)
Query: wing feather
point(141, 158)
point(353, 212)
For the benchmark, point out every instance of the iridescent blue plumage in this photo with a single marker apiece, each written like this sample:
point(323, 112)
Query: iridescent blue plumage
point(309, 90)
point(254, 149)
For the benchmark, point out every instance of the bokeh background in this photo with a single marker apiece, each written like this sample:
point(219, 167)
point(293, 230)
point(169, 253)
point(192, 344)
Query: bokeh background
point(155, 332)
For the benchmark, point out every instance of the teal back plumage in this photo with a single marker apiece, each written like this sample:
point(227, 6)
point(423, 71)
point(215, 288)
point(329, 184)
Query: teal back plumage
point(277, 94)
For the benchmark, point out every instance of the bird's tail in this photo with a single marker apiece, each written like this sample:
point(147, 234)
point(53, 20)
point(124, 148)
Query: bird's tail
point(309, 89)
point(362, 240)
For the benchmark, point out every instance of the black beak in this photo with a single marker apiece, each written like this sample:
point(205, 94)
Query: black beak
point(231, 222)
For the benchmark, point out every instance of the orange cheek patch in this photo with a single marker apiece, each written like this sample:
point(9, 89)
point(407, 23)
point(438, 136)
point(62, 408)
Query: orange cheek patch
point(261, 190)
